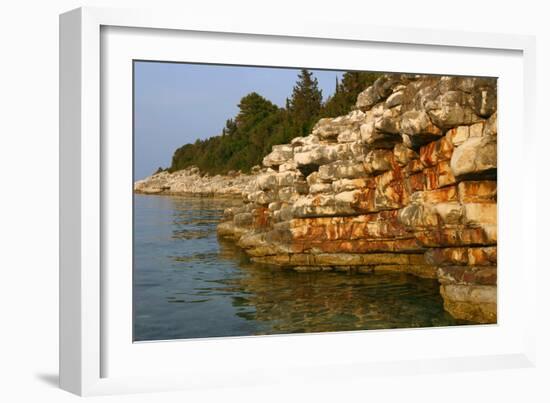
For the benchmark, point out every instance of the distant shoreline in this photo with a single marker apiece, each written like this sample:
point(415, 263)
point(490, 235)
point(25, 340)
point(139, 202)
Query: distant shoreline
point(190, 194)
point(191, 182)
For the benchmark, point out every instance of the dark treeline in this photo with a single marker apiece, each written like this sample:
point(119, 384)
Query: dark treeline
point(260, 124)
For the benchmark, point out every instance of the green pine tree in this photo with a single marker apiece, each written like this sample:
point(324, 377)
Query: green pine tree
point(260, 124)
point(343, 100)
point(305, 103)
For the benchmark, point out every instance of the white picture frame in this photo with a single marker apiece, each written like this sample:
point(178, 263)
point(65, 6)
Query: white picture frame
point(87, 344)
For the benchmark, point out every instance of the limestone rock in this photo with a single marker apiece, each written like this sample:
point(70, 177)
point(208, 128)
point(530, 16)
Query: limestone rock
point(342, 127)
point(389, 122)
point(367, 98)
point(475, 303)
point(491, 128)
point(405, 183)
point(418, 129)
point(476, 157)
point(278, 156)
point(394, 99)
point(403, 155)
point(380, 90)
point(377, 139)
point(341, 169)
point(190, 181)
point(452, 108)
point(462, 256)
point(323, 205)
point(377, 161)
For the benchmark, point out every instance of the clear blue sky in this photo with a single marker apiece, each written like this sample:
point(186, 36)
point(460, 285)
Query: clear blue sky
point(177, 103)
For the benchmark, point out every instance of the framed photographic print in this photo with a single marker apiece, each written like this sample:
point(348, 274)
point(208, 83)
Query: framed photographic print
point(242, 203)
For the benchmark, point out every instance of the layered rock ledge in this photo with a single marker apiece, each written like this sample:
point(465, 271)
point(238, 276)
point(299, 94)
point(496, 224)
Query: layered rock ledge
point(407, 181)
point(190, 181)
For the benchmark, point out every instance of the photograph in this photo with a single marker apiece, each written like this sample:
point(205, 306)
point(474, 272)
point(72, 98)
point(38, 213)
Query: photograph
point(287, 200)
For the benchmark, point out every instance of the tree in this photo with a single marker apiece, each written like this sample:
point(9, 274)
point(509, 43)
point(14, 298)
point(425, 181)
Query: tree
point(345, 95)
point(305, 103)
point(260, 124)
point(253, 108)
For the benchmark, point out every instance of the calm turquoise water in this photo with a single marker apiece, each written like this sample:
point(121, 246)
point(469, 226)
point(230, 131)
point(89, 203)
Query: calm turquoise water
point(188, 284)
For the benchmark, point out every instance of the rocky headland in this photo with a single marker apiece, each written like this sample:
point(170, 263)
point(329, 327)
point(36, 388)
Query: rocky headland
point(407, 181)
point(192, 182)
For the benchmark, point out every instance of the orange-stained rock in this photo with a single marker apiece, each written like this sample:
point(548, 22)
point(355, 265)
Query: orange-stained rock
point(364, 200)
point(260, 217)
point(446, 194)
point(383, 225)
point(414, 183)
point(391, 196)
point(482, 256)
point(447, 256)
point(472, 256)
point(456, 237)
point(433, 153)
point(477, 191)
point(360, 246)
point(403, 155)
point(413, 167)
point(439, 176)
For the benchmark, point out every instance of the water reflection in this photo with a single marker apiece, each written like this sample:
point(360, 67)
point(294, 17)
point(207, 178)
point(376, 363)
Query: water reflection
point(188, 284)
point(316, 302)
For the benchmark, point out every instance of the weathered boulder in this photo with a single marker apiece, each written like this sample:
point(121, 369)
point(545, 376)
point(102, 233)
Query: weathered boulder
point(381, 89)
point(418, 129)
point(341, 169)
point(345, 128)
point(394, 99)
point(477, 303)
point(403, 155)
point(315, 155)
point(376, 138)
point(278, 156)
point(452, 108)
point(389, 122)
point(475, 158)
point(458, 135)
point(324, 205)
point(342, 185)
point(378, 161)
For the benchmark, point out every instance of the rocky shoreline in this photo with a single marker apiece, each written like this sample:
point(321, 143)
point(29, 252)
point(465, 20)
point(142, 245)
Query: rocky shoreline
point(191, 182)
point(407, 182)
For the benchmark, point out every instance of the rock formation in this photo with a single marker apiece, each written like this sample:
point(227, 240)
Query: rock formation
point(191, 182)
point(405, 182)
